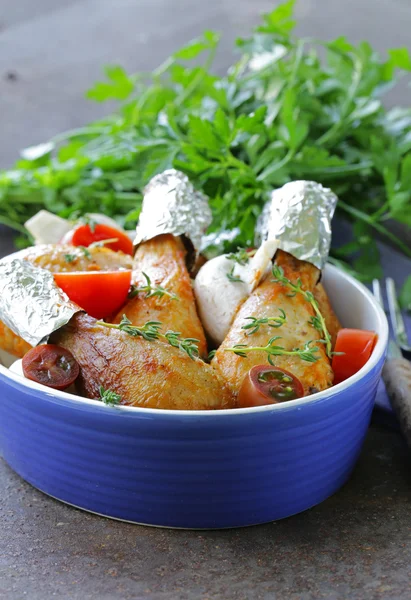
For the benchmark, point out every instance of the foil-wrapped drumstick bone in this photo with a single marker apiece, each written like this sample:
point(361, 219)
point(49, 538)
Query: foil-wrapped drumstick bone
point(58, 258)
point(298, 217)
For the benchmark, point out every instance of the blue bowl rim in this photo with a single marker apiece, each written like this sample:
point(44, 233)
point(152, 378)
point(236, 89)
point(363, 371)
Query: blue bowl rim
point(377, 355)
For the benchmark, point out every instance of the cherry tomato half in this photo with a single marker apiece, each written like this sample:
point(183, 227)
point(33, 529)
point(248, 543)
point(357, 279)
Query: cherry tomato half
point(84, 235)
point(51, 365)
point(264, 384)
point(356, 346)
point(99, 293)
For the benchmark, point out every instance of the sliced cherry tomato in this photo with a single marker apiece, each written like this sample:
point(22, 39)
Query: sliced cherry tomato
point(264, 384)
point(51, 365)
point(84, 235)
point(99, 293)
point(356, 346)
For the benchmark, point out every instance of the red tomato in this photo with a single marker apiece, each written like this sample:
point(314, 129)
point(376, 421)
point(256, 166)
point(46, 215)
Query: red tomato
point(51, 365)
point(264, 384)
point(84, 235)
point(99, 293)
point(357, 346)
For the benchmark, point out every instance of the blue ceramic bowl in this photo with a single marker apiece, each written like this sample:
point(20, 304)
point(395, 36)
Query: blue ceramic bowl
point(196, 469)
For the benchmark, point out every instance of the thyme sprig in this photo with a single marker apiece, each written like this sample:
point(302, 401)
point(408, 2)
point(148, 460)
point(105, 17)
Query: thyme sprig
point(69, 258)
point(255, 323)
point(150, 331)
point(241, 257)
point(151, 290)
point(109, 397)
point(234, 278)
point(85, 251)
point(102, 243)
point(307, 353)
point(317, 321)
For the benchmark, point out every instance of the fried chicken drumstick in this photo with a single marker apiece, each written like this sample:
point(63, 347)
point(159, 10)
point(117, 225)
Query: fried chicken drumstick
point(163, 260)
point(295, 332)
point(144, 373)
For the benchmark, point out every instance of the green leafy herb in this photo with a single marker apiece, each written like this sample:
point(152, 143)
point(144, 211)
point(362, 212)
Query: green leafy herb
point(187, 345)
point(307, 353)
point(88, 220)
point(256, 323)
point(85, 251)
point(211, 354)
point(317, 321)
point(150, 331)
point(69, 258)
point(241, 257)
point(290, 108)
point(151, 290)
point(405, 295)
point(234, 278)
point(109, 397)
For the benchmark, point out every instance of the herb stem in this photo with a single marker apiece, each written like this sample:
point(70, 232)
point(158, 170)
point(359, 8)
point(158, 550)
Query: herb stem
point(318, 321)
point(358, 214)
point(150, 331)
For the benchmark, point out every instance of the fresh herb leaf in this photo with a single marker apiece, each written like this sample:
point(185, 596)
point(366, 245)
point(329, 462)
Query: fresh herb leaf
point(307, 353)
point(317, 321)
point(85, 251)
point(241, 257)
point(405, 295)
point(150, 331)
point(69, 258)
point(109, 397)
point(118, 87)
point(187, 345)
point(234, 278)
point(150, 290)
point(255, 323)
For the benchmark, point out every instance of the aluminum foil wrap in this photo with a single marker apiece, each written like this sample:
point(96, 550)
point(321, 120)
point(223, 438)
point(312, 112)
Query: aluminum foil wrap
point(31, 304)
point(171, 204)
point(299, 216)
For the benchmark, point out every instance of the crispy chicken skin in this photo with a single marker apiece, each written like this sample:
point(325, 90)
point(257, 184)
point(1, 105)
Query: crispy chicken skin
point(163, 260)
point(62, 258)
point(295, 332)
point(145, 373)
point(57, 259)
point(12, 343)
point(331, 319)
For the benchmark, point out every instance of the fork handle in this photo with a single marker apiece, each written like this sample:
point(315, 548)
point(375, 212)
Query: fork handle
point(397, 378)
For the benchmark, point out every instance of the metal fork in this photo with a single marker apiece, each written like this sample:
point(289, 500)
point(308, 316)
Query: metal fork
point(397, 370)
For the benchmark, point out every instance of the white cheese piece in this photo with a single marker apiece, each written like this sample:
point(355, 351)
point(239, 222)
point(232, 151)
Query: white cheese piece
point(47, 228)
point(218, 297)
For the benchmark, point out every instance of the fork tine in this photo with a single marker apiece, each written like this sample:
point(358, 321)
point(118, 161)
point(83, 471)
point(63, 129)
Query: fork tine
point(396, 316)
point(376, 290)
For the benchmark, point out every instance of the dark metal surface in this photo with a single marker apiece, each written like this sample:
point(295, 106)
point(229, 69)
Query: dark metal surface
point(356, 545)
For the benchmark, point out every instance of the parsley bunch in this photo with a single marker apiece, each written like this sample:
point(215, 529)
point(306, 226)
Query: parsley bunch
point(288, 109)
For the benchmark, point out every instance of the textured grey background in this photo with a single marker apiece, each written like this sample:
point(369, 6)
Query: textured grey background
point(52, 50)
point(356, 545)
